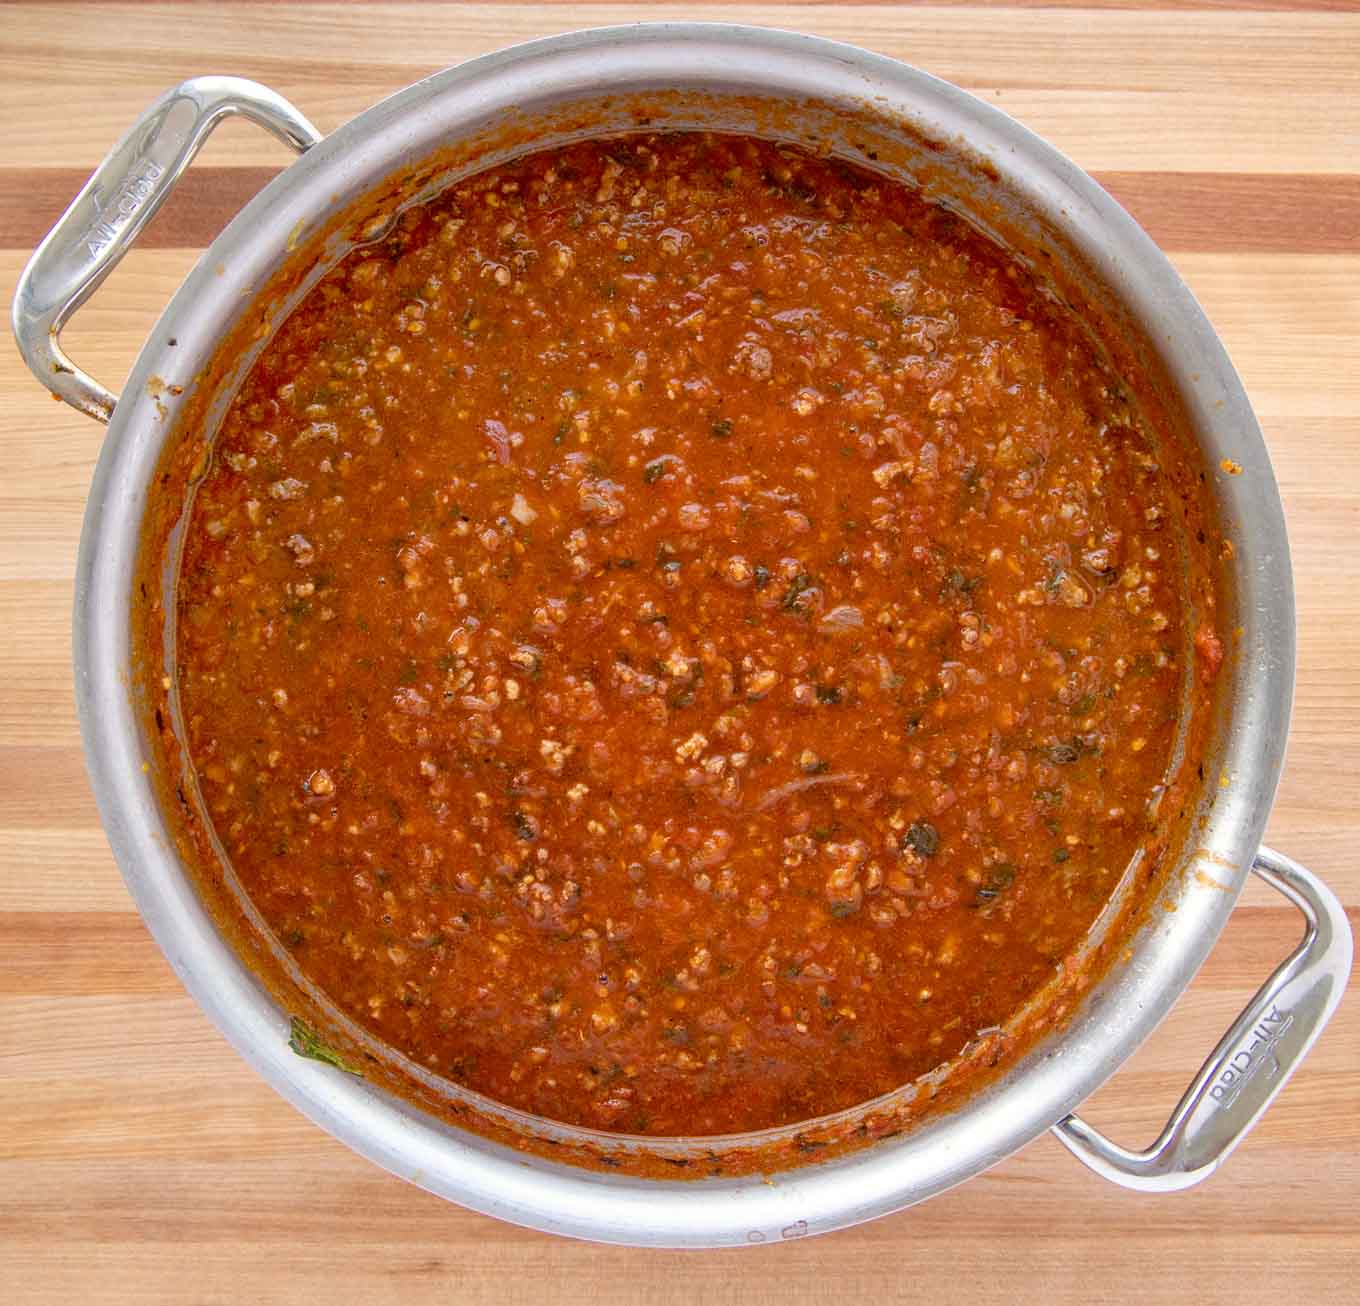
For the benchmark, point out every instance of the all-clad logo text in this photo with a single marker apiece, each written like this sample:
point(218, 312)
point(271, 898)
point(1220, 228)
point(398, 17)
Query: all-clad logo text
point(1246, 1063)
point(129, 197)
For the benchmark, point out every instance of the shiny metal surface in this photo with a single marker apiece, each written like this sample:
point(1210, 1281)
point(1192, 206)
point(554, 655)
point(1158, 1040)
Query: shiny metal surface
point(102, 222)
point(707, 65)
point(1252, 1061)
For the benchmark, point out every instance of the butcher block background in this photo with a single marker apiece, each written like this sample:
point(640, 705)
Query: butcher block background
point(140, 1161)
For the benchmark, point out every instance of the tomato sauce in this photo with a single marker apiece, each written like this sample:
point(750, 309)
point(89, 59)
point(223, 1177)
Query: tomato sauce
point(680, 635)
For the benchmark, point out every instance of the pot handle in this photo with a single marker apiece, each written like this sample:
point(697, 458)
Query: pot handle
point(116, 203)
point(1252, 1061)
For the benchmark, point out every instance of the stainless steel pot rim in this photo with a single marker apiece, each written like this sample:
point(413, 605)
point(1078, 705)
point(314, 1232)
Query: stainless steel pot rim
point(488, 1177)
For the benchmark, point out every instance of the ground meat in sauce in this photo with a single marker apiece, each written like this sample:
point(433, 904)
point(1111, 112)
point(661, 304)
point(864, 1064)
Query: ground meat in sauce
point(680, 635)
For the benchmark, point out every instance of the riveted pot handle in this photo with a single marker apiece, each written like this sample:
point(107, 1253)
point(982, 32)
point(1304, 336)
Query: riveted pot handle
point(116, 203)
point(1252, 1061)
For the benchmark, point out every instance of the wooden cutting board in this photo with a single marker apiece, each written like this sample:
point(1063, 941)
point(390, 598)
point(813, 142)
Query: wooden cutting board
point(140, 1161)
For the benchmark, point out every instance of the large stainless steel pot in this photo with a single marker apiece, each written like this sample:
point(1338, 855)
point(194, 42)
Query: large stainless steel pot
point(715, 76)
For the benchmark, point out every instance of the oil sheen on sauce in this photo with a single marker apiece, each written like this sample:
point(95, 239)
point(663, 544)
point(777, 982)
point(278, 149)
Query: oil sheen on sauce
point(680, 636)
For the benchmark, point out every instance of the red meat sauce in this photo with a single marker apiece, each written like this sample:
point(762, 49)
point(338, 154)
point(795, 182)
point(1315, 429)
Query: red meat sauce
point(680, 635)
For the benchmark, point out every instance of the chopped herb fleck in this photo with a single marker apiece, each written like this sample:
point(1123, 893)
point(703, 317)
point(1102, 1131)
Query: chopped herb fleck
point(1001, 877)
point(957, 585)
point(792, 600)
point(1066, 752)
point(307, 1043)
point(922, 838)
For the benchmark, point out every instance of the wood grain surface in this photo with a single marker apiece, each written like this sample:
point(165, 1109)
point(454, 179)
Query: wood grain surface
point(140, 1161)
